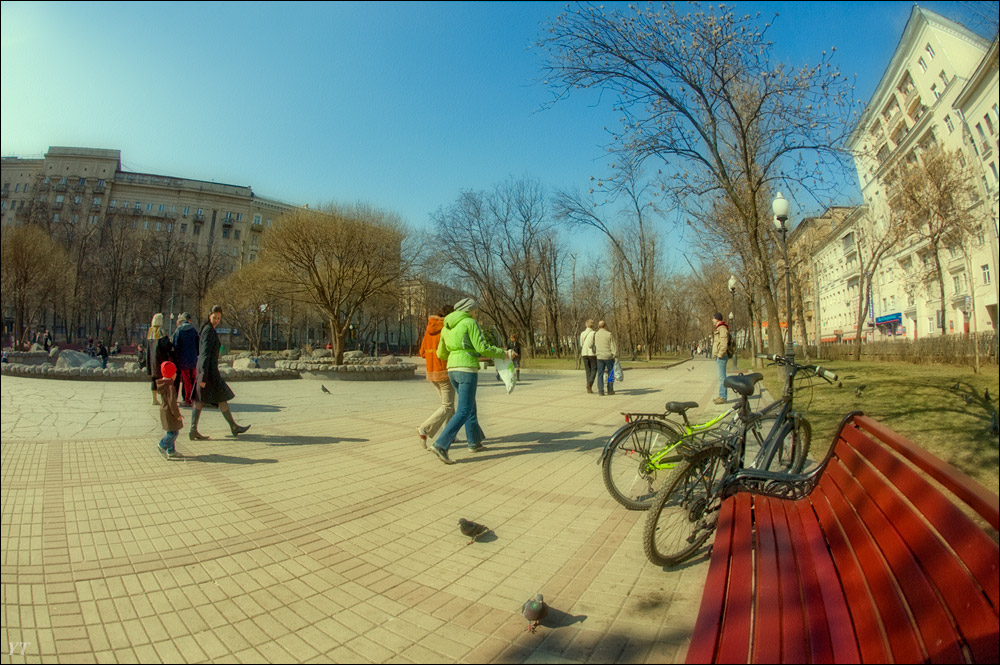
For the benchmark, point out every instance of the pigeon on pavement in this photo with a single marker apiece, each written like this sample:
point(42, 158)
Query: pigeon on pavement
point(323, 388)
point(860, 389)
point(968, 398)
point(472, 529)
point(534, 610)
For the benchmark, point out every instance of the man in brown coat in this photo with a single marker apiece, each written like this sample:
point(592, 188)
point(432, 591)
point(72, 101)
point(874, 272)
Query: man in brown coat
point(170, 415)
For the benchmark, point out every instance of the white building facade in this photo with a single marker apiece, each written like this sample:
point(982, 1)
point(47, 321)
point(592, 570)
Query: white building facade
point(940, 74)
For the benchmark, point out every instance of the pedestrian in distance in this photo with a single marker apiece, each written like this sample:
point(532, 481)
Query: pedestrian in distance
point(605, 350)
point(589, 353)
point(513, 344)
point(102, 351)
point(462, 343)
point(186, 354)
point(212, 389)
point(437, 374)
point(158, 350)
point(720, 345)
point(170, 415)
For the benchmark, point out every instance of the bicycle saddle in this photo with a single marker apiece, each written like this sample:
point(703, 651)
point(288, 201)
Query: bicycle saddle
point(680, 407)
point(743, 383)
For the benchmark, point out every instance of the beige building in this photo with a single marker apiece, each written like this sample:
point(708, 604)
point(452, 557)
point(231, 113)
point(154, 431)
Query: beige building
point(939, 70)
point(70, 186)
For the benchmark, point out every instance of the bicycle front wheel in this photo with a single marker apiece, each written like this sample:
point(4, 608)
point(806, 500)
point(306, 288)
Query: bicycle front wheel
point(629, 475)
point(684, 513)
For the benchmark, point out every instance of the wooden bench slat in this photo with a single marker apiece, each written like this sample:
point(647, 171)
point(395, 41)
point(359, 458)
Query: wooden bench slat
point(975, 549)
point(831, 633)
point(768, 610)
point(793, 629)
point(906, 583)
point(986, 503)
point(735, 643)
point(864, 616)
point(709, 623)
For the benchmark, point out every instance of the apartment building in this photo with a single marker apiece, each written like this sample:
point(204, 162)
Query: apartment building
point(73, 186)
point(940, 75)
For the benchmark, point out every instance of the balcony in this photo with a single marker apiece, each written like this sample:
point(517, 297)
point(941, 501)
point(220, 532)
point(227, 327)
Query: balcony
point(99, 189)
point(57, 205)
point(44, 187)
point(199, 218)
point(228, 221)
point(95, 206)
point(61, 187)
point(136, 212)
point(5, 193)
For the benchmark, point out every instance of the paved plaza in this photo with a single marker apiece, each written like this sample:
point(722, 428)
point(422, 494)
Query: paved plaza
point(326, 533)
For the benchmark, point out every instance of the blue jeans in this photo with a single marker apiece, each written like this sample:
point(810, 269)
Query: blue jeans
point(602, 367)
point(167, 442)
point(465, 384)
point(721, 364)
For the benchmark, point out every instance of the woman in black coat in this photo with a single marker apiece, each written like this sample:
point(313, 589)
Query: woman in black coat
point(211, 389)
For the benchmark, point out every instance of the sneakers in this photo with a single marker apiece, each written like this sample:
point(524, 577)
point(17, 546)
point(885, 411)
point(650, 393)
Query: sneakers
point(422, 433)
point(719, 400)
point(168, 454)
point(442, 455)
point(478, 448)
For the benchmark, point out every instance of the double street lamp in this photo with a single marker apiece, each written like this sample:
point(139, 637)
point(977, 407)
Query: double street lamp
point(780, 208)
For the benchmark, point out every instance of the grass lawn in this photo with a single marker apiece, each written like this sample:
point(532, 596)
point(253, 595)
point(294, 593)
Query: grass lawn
point(918, 401)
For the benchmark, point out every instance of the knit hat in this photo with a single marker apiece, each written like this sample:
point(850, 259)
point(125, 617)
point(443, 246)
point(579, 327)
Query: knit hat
point(718, 316)
point(466, 305)
point(168, 370)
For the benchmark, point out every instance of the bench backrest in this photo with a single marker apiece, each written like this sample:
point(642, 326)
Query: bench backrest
point(919, 575)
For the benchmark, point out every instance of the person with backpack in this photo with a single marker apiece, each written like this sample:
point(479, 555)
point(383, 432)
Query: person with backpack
point(721, 352)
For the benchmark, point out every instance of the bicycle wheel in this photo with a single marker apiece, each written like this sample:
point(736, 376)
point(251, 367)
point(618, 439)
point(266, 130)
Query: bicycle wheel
point(630, 478)
point(789, 455)
point(685, 511)
point(756, 435)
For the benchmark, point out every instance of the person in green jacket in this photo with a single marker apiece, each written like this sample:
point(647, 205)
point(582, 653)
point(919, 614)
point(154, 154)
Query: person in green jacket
point(461, 345)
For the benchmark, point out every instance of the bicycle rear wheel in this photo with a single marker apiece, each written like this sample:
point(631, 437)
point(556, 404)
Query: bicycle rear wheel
point(628, 474)
point(792, 449)
point(685, 511)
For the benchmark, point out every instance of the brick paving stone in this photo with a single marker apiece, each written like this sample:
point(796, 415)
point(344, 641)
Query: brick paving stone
point(330, 551)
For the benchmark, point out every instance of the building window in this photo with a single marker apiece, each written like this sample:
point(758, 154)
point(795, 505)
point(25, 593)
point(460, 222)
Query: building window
point(17, 188)
point(930, 51)
point(145, 225)
point(944, 78)
point(138, 205)
point(949, 124)
point(55, 218)
point(77, 199)
point(196, 230)
point(923, 65)
point(201, 211)
point(162, 208)
point(170, 228)
point(149, 207)
point(225, 233)
point(135, 224)
point(256, 220)
point(986, 274)
point(935, 91)
point(239, 217)
point(184, 228)
point(236, 235)
point(159, 226)
point(187, 210)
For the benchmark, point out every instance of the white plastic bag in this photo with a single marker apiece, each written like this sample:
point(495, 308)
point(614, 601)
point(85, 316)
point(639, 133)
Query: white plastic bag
point(505, 368)
point(618, 371)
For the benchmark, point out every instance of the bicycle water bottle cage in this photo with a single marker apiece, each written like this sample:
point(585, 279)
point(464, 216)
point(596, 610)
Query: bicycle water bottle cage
point(680, 407)
point(743, 383)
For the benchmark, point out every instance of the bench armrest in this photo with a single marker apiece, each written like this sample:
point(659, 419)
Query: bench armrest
point(783, 485)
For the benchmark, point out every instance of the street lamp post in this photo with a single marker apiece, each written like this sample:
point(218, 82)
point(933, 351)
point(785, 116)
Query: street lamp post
point(732, 313)
point(780, 208)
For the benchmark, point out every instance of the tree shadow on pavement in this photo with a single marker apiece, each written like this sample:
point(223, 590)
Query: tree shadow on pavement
point(226, 459)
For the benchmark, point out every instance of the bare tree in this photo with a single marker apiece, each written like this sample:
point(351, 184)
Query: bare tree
point(498, 242)
point(32, 269)
point(634, 248)
point(204, 268)
point(246, 297)
point(701, 93)
point(935, 200)
point(119, 270)
point(337, 260)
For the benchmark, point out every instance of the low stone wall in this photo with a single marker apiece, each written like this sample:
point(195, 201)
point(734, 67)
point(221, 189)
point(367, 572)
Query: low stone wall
point(350, 372)
point(121, 374)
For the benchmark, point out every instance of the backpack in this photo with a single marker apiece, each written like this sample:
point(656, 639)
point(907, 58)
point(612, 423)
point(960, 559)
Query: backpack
point(730, 345)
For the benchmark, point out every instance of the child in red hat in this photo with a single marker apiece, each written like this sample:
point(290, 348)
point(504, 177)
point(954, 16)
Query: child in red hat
point(170, 415)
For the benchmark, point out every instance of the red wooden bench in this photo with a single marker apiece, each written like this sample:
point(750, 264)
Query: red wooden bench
point(861, 560)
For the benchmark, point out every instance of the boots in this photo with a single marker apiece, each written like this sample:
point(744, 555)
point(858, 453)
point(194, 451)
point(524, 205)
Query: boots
point(194, 435)
point(233, 427)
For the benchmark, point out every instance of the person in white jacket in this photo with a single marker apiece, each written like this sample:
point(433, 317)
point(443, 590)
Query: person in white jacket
point(588, 353)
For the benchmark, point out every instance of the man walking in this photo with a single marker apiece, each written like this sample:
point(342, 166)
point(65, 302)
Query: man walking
point(589, 353)
point(606, 349)
point(186, 354)
point(720, 345)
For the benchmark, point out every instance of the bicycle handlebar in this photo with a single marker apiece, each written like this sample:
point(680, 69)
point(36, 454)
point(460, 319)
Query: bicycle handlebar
point(816, 369)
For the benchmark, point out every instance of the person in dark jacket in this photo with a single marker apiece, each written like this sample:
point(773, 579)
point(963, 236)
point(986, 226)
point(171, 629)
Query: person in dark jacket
point(186, 354)
point(158, 350)
point(212, 390)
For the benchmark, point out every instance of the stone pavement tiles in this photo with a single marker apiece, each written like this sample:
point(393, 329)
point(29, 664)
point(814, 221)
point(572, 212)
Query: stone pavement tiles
point(327, 533)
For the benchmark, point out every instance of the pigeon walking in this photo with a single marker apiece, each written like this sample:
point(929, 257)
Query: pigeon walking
point(968, 398)
point(472, 529)
point(859, 390)
point(534, 610)
point(323, 388)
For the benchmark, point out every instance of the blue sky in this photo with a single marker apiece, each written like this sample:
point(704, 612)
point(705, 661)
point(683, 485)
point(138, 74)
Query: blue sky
point(403, 105)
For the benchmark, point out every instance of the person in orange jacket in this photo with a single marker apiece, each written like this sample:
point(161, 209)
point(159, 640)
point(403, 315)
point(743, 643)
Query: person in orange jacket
point(437, 373)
